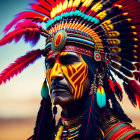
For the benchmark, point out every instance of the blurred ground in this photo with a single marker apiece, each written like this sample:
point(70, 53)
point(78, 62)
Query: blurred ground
point(21, 129)
point(16, 129)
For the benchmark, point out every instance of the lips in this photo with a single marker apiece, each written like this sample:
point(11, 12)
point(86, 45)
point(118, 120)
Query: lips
point(59, 89)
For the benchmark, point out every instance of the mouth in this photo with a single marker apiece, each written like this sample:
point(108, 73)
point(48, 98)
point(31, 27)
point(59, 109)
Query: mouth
point(57, 90)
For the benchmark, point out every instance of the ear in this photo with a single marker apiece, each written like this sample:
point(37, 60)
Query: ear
point(101, 69)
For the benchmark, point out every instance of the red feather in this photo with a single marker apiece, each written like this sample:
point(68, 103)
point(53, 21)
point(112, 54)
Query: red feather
point(130, 94)
point(51, 2)
point(40, 9)
point(111, 85)
point(135, 89)
point(131, 6)
point(124, 2)
point(28, 29)
point(25, 15)
point(134, 12)
point(45, 4)
point(118, 90)
point(19, 65)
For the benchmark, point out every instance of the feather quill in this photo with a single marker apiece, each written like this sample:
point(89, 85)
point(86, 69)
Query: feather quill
point(19, 65)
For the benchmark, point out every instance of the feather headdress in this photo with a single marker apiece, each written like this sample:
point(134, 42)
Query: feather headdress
point(112, 25)
point(106, 30)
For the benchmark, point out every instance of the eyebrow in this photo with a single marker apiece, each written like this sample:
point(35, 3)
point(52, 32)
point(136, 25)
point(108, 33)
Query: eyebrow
point(68, 56)
point(49, 60)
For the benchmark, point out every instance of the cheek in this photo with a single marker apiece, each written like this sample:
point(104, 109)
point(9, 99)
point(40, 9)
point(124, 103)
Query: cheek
point(76, 74)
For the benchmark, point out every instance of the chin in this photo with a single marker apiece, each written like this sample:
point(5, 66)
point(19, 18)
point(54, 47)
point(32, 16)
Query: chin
point(59, 100)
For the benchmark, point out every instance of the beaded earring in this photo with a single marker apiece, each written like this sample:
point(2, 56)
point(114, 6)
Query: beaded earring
point(93, 88)
point(100, 94)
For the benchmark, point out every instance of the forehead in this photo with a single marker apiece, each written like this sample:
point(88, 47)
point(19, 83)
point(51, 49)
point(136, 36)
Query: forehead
point(53, 54)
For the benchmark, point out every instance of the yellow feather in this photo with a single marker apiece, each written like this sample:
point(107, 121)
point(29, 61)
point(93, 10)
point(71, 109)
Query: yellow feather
point(113, 34)
point(114, 41)
point(60, 7)
point(57, 9)
point(65, 4)
point(115, 49)
point(76, 3)
point(102, 15)
point(85, 3)
point(89, 3)
point(70, 3)
point(83, 0)
point(95, 6)
point(53, 13)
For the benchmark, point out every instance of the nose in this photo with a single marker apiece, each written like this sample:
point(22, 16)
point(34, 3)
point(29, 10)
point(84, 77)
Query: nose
point(56, 72)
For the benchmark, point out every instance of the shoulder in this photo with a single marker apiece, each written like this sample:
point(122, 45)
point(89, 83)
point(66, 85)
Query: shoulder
point(120, 130)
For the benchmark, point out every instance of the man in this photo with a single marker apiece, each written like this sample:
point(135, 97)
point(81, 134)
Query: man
point(86, 41)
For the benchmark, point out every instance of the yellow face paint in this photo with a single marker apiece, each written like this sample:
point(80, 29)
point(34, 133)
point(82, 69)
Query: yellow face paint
point(75, 74)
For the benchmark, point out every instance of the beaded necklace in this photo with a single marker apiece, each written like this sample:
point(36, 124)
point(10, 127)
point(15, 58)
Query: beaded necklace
point(68, 129)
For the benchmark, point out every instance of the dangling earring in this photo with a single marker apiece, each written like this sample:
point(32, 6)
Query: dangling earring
point(100, 95)
point(93, 88)
point(44, 89)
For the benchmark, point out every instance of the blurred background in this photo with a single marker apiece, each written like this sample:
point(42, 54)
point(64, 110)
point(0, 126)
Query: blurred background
point(20, 97)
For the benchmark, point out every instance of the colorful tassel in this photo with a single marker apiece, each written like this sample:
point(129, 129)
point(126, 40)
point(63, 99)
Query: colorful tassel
point(93, 88)
point(44, 89)
point(100, 95)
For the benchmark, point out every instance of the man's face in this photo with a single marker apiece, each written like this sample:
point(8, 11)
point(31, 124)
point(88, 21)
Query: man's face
point(67, 75)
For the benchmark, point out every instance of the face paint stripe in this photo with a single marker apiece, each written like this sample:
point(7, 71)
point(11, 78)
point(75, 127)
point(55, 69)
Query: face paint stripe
point(83, 80)
point(69, 72)
point(79, 79)
point(79, 66)
point(79, 87)
point(82, 74)
point(73, 69)
point(77, 71)
point(56, 68)
point(80, 82)
point(77, 74)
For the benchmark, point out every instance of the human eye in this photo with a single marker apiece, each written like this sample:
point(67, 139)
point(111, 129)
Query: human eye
point(49, 63)
point(69, 59)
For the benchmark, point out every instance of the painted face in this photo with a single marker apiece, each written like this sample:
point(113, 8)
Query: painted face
point(67, 73)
